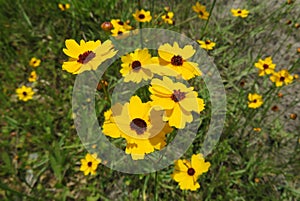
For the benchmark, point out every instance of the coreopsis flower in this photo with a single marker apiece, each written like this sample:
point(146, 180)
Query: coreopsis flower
point(63, 7)
point(207, 44)
point(24, 93)
point(281, 77)
point(265, 66)
point(110, 124)
point(176, 59)
point(240, 12)
point(32, 77)
point(257, 129)
point(201, 10)
point(168, 17)
point(34, 62)
point(176, 99)
point(89, 164)
point(119, 32)
point(117, 23)
point(86, 55)
point(186, 173)
point(141, 126)
point(142, 16)
point(254, 100)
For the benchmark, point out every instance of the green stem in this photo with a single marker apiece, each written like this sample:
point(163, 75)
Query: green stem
point(210, 12)
point(155, 187)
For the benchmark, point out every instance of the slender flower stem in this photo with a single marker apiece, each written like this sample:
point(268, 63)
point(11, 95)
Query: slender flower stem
point(155, 187)
point(140, 26)
point(210, 12)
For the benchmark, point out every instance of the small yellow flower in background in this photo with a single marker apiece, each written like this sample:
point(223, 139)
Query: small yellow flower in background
point(254, 100)
point(117, 23)
point(256, 180)
point(257, 129)
point(63, 7)
point(168, 18)
point(25, 93)
point(89, 164)
point(86, 55)
point(186, 173)
point(119, 32)
point(201, 10)
point(281, 77)
point(142, 16)
point(240, 12)
point(207, 44)
point(34, 62)
point(32, 77)
point(265, 66)
point(176, 99)
point(296, 76)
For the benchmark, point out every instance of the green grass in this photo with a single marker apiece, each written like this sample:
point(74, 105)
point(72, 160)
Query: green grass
point(39, 140)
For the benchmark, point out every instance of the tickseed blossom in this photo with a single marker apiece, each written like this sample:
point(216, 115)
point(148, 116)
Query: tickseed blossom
point(176, 59)
point(63, 7)
point(176, 99)
point(86, 55)
point(142, 16)
point(32, 77)
point(109, 124)
point(254, 100)
point(281, 77)
point(186, 173)
point(201, 10)
point(257, 129)
point(207, 44)
point(240, 12)
point(141, 126)
point(34, 62)
point(119, 32)
point(24, 93)
point(89, 164)
point(168, 18)
point(265, 66)
point(117, 23)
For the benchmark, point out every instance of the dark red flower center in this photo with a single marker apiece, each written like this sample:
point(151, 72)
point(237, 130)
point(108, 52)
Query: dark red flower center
point(24, 93)
point(136, 65)
point(239, 12)
point(254, 101)
point(177, 95)
point(120, 32)
point(207, 42)
point(191, 171)
point(141, 16)
point(138, 125)
point(282, 79)
point(121, 23)
point(201, 13)
point(167, 16)
point(86, 57)
point(90, 164)
point(177, 60)
point(266, 66)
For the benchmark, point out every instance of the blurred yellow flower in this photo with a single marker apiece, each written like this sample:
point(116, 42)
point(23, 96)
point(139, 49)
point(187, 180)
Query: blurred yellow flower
point(142, 16)
point(86, 55)
point(168, 18)
point(265, 66)
point(89, 164)
point(239, 12)
point(176, 99)
point(254, 100)
point(207, 44)
point(201, 10)
point(32, 77)
point(34, 62)
point(281, 77)
point(257, 129)
point(117, 23)
point(186, 173)
point(25, 93)
point(63, 7)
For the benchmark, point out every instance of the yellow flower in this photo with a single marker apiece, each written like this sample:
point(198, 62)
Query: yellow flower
point(63, 7)
point(254, 100)
point(119, 32)
point(89, 164)
point(281, 77)
point(109, 124)
point(201, 10)
point(186, 173)
point(117, 23)
point(134, 66)
point(176, 59)
point(142, 16)
point(86, 55)
point(265, 67)
point(257, 129)
point(239, 12)
point(141, 126)
point(34, 62)
point(207, 44)
point(32, 77)
point(167, 18)
point(177, 100)
point(25, 93)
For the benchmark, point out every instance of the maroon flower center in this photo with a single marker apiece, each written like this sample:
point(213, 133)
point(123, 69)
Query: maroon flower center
point(254, 101)
point(138, 125)
point(24, 93)
point(207, 42)
point(282, 79)
point(201, 13)
point(136, 65)
point(177, 95)
point(239, 12)
point(191, 171)
point(266, 66)
point(120, 32)
point(141, 16)
point(177, 60)
point(90, 164)
point(121, 23)
point(86, 57)
point(167, 17)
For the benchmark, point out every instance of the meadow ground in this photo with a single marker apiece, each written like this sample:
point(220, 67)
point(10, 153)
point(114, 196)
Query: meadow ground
point(257, 156)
